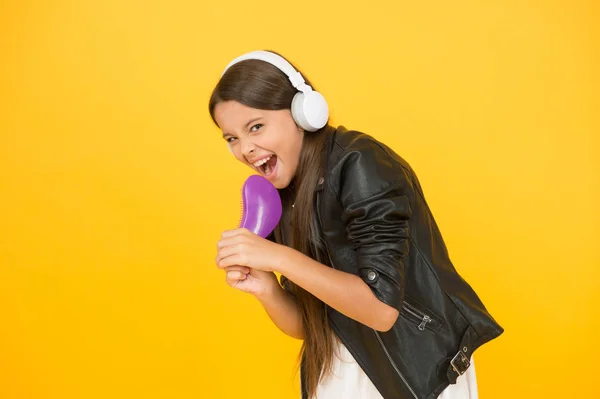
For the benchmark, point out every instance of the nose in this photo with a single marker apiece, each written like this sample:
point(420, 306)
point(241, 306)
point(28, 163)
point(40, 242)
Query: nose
point(247, 146)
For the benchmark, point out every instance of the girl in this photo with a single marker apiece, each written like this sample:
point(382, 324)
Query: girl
point(366, 280)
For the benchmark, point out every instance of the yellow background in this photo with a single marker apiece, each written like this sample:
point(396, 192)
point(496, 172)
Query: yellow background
point(115, 185)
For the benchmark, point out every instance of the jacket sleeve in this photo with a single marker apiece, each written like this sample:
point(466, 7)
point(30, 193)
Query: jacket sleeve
point(374, 193)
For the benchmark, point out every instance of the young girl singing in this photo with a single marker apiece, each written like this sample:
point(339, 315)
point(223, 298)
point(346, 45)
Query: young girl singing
point(367, 282)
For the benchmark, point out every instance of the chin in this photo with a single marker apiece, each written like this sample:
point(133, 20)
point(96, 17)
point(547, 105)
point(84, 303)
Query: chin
point(281, 183)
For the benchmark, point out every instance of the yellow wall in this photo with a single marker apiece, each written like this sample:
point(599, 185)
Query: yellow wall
point(110, 166)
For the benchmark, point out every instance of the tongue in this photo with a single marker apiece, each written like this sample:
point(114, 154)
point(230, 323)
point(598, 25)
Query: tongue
point(270, 165)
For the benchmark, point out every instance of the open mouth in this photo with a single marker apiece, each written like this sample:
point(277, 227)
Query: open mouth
point(268, 165)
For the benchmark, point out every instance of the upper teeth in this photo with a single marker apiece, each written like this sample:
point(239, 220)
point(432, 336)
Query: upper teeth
point(262, 161)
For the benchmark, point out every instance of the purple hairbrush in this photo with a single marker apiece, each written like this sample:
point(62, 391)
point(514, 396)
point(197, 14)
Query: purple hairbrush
point(261, 206)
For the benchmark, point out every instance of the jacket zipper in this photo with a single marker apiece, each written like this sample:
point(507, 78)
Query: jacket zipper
point(394, 364)
point(424, 318)
point(387, 353)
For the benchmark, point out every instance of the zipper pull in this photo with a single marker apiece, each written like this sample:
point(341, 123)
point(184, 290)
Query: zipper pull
point(426, 319)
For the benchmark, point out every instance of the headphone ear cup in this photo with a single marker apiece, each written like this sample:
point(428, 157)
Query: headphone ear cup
point(298, 113)
point(310, 110)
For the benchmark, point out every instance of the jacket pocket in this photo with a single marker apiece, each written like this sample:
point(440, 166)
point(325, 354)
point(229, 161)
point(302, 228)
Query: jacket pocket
point(420, 316)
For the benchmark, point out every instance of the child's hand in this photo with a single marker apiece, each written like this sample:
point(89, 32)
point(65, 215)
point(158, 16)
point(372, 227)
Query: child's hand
point(252, 281)
point(241, 247)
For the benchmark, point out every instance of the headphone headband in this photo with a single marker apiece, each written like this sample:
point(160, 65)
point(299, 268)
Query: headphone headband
point(276, 60)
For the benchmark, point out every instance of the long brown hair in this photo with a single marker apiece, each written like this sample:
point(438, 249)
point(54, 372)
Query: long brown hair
point(260, 85)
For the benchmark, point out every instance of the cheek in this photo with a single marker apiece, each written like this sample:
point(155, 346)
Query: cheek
point(235, 151)
point(240, 157)
point(294, 145)
point(290, 153)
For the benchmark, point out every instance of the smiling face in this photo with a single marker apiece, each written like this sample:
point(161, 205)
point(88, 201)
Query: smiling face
point(267, 141)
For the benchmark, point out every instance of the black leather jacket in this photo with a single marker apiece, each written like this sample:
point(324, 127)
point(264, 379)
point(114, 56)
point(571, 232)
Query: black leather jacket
point(376, 224)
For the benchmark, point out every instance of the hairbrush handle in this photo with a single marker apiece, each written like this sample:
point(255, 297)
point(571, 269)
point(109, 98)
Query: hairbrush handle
point(261, 206)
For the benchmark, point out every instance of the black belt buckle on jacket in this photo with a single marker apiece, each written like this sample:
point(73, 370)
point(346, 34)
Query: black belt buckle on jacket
point(460, 363)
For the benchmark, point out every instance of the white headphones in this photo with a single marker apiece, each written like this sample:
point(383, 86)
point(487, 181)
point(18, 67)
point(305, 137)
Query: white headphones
point(309, 108)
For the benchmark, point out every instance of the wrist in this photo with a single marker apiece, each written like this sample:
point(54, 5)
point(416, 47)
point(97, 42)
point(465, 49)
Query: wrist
point(269, 291)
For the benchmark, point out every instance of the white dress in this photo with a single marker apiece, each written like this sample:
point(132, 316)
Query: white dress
point(348, 381)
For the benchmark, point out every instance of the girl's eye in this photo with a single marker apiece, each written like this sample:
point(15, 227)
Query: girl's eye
point(229, 139)
point(256, 127)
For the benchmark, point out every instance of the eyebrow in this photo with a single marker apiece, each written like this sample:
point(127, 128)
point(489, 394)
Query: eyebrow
point(246, 126)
